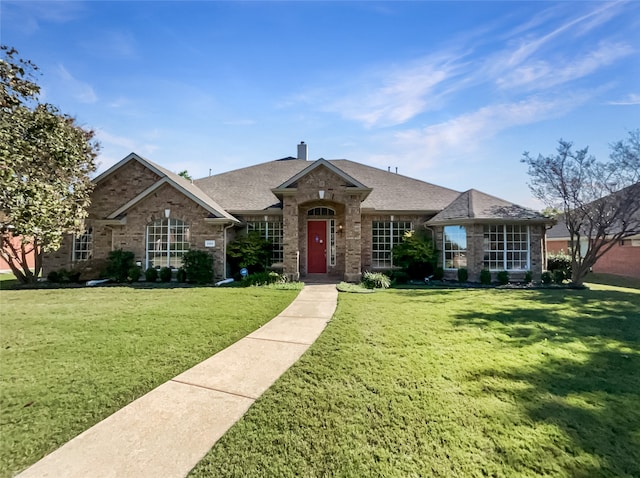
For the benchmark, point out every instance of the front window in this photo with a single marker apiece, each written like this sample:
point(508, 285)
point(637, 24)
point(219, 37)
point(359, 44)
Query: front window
point(271, 232)
point(386, 234)
point(167, 241)
point(506, 247)
point(455, 247)
point(83, 245)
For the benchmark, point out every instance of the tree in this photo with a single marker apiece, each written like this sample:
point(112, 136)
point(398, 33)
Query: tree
point(46, 159)
point(185, 174)
point(599, 201)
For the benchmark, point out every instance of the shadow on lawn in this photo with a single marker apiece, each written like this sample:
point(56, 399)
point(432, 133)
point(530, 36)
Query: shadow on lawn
point(592, 395)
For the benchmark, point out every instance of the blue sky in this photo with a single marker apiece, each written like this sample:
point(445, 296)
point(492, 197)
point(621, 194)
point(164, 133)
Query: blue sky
point(448, 92)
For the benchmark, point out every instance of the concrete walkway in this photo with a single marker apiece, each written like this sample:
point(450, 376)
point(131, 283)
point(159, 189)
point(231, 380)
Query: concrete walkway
point(170, 429)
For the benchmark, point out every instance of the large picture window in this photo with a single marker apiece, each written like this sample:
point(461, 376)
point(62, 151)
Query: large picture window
point(385, 236)
point(83, 245)
point(272, 232)
point(167, 241)
point(506, 247)
point(455, 247)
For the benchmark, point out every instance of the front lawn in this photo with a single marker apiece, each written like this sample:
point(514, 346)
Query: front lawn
point(71, 357)
point(453, 383)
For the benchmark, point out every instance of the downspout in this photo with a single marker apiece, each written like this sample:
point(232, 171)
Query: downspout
point(224, 250)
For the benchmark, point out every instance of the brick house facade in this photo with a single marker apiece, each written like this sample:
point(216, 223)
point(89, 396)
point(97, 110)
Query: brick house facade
point(333, 217)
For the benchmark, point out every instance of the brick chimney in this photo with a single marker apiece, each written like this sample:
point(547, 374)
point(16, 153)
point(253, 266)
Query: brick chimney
point(303, 151)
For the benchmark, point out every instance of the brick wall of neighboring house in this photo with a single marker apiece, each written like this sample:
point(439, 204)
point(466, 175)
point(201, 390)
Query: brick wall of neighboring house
point(622, 259)
point(4, 267)
point(475, 253)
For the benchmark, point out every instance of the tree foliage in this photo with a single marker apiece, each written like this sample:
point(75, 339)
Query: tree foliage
point(599, 200)
point(416, 254)
point(250, 251)
point(46, 159)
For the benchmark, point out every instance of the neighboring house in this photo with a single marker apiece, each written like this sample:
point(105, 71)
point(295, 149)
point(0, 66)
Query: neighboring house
point(17, 246)
point(334, 217)
point(622, 259)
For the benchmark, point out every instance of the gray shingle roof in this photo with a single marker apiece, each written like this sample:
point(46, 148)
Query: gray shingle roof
point(475, 206)
point(250, 188)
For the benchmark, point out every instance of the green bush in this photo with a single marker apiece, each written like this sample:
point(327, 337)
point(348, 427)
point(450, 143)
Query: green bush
point(546, 277)
point(559, 262)
point(165, 274)
point(263, 278)
point(463, 275)
point(181, 275)
point(528, 277)
point(119, 263)
point(503, 277)
point(415, 254)
point(198, 267)
point(438, 273)
point(250, 251)
point(53, 276)
point(399, 277)
point(375, 280)
point(151, 274)
point(559, 276)
point(134, 274)
point(485, 277)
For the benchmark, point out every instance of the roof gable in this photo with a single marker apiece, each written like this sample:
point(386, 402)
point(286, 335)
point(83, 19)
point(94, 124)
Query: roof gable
point(166, 177)
point(350, 181)
point(476, 206)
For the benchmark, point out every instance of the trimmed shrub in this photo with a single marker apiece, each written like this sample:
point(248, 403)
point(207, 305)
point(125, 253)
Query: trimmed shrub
point(53, 276)
point(546, 277)
point(485, 277)
point(463, 275)
point(559, 262)
point(558, 276)
point(118, 264)
point(375, 280)
point(528, 277)
point(263, 278)
point(181, 275)
point(165, 274)
point(399, 277)
point(503, 277)
point(134, 274)
point(438, 273)
point(197, 266)
point(151, 274)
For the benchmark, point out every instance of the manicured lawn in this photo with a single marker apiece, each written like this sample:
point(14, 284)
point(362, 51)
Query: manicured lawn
point(610, 279)
point(71, 357)
point(454, 383)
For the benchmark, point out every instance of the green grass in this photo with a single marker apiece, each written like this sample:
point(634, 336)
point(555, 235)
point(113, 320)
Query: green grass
point(453, 383)
point(613, 280)
point(71, 357)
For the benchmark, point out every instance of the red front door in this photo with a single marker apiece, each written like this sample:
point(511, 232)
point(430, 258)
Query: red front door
point(317, 247)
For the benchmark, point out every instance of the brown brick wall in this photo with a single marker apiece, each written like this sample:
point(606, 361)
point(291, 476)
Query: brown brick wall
point(131, 235)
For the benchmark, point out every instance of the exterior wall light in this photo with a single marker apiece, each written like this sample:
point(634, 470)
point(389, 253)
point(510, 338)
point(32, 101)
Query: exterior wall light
point(321, 194)
point(167, 213)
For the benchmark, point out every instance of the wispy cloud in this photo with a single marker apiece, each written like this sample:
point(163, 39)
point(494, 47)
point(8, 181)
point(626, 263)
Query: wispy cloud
point(543, 74)
point(630, 99)
point(124, 144)
point(30, 15)
point(80, 90)
point(463, 133)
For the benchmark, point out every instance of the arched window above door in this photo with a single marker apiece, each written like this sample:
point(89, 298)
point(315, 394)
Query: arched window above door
point(321, 212)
